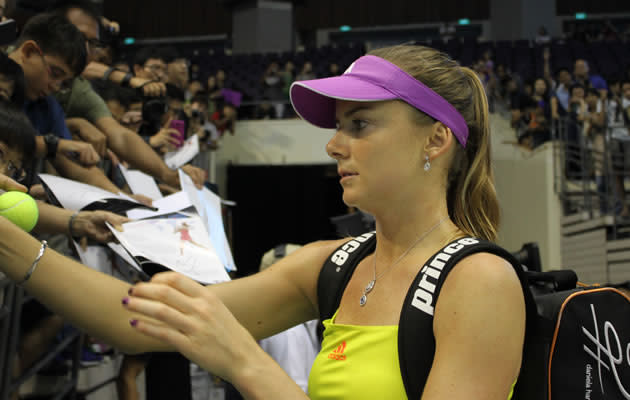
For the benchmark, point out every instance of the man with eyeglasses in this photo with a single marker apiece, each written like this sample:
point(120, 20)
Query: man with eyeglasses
point(149, 64)
point(86, 110)
point(50, 52)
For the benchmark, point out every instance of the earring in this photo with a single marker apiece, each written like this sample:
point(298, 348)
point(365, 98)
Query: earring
point(427, 165)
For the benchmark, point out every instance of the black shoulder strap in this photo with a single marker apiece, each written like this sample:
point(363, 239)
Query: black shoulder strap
point(416, 344)
point(337, 270)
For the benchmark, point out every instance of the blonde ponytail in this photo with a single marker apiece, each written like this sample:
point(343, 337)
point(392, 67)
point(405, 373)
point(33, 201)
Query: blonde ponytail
point(471, 197)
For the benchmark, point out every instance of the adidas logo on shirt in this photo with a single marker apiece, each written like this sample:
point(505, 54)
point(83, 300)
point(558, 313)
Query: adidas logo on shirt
point(337, 354)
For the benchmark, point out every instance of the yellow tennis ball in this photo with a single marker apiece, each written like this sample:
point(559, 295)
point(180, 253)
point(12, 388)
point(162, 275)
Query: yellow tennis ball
point(19, 208)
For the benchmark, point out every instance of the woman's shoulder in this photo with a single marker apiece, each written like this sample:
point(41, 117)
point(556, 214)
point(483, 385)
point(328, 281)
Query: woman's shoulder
point(479, 326)
point(310, 257)
point(484, 264)
point(482, 278)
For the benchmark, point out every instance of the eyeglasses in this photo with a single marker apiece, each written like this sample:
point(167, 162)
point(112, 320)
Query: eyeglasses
point(54, 73)
point(156, 68)
point(13, 172)
point(95, 44)
point(17, 174)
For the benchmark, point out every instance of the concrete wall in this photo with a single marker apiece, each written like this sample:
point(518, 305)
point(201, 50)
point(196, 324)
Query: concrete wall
point(264, 26)
point(272, 142)
point(530, 210)
point(520, 19)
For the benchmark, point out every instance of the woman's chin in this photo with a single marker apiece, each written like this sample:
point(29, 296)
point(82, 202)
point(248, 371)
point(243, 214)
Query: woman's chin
point(350, 199)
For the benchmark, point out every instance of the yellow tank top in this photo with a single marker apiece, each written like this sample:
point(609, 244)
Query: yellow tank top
point(358, 362)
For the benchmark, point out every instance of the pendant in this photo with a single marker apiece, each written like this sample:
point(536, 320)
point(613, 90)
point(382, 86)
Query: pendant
point(369, 287)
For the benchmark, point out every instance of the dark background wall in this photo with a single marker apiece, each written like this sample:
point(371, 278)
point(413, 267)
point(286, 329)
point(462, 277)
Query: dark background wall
point(281, 204)
point(161, 18)
point(158, 18)
point(146, 18)
point(154, 18)
point(570, 7)
point(314, 14)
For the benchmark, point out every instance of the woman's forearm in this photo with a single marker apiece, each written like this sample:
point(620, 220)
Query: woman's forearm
point(262, 378)
point(52, 219)
point(88, 299)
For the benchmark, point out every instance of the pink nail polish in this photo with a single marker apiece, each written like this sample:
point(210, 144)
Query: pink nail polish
point(133, 322)
point(125, 300)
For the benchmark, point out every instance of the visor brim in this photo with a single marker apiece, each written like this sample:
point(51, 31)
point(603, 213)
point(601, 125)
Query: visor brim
point(314, 100)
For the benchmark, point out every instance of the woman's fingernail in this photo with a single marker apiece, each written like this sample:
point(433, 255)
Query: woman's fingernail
point(130, 291)
point(125, 300)
point(133, 322)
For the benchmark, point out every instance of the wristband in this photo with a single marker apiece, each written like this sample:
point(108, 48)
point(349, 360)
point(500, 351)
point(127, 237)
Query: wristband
point(126, 80)
point(70, 223)
point(30, 271)
point(108, 73)
point(52, 144)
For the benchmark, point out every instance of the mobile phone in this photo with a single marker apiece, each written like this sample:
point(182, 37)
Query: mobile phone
point(179, 126)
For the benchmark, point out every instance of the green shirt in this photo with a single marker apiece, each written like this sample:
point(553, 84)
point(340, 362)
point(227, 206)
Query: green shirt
point(81, 101)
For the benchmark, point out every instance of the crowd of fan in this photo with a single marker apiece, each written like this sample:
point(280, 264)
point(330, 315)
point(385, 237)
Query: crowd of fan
point(69, 107)
point(582, 109)
point(575, 95)
point(65, 112)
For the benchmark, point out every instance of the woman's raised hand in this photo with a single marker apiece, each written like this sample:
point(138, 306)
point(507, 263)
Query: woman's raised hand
point(188, 316)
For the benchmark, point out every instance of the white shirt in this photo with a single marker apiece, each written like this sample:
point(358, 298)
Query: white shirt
point(616, 121)
point(295, 350)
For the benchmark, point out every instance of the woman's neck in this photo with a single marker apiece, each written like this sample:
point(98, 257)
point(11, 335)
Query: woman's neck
point(397, 230)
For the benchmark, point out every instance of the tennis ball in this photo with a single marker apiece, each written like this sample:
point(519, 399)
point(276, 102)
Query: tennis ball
point(19, 208)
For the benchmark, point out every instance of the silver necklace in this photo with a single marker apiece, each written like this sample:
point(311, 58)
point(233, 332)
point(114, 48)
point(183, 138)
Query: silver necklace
point(368, 288)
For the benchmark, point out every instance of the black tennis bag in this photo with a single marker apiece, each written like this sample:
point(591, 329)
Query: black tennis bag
point(580, 348)
point(577, 339)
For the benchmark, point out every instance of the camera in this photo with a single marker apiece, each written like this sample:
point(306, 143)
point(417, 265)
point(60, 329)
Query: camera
point(153, 109)
point(108, 35)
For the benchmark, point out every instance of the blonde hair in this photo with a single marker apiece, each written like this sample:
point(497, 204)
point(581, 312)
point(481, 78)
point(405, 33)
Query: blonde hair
point(471, 197)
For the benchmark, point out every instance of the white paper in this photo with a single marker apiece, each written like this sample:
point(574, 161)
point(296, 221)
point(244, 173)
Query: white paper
point(166, 205)
point(212, 204)
point(180, 244)
point(141, 183)
point(208, 206)
point(191, 191)
point(96, 257)
point(125, 196)
point(184, 154)
point(75, 195)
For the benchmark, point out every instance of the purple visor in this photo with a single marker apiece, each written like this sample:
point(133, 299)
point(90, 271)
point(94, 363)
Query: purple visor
point(372, 78)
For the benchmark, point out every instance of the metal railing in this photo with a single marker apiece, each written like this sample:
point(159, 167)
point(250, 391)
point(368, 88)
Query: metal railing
point(589, 171)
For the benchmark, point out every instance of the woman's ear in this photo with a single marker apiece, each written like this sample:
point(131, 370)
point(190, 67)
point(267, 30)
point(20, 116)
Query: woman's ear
point(439, 141)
